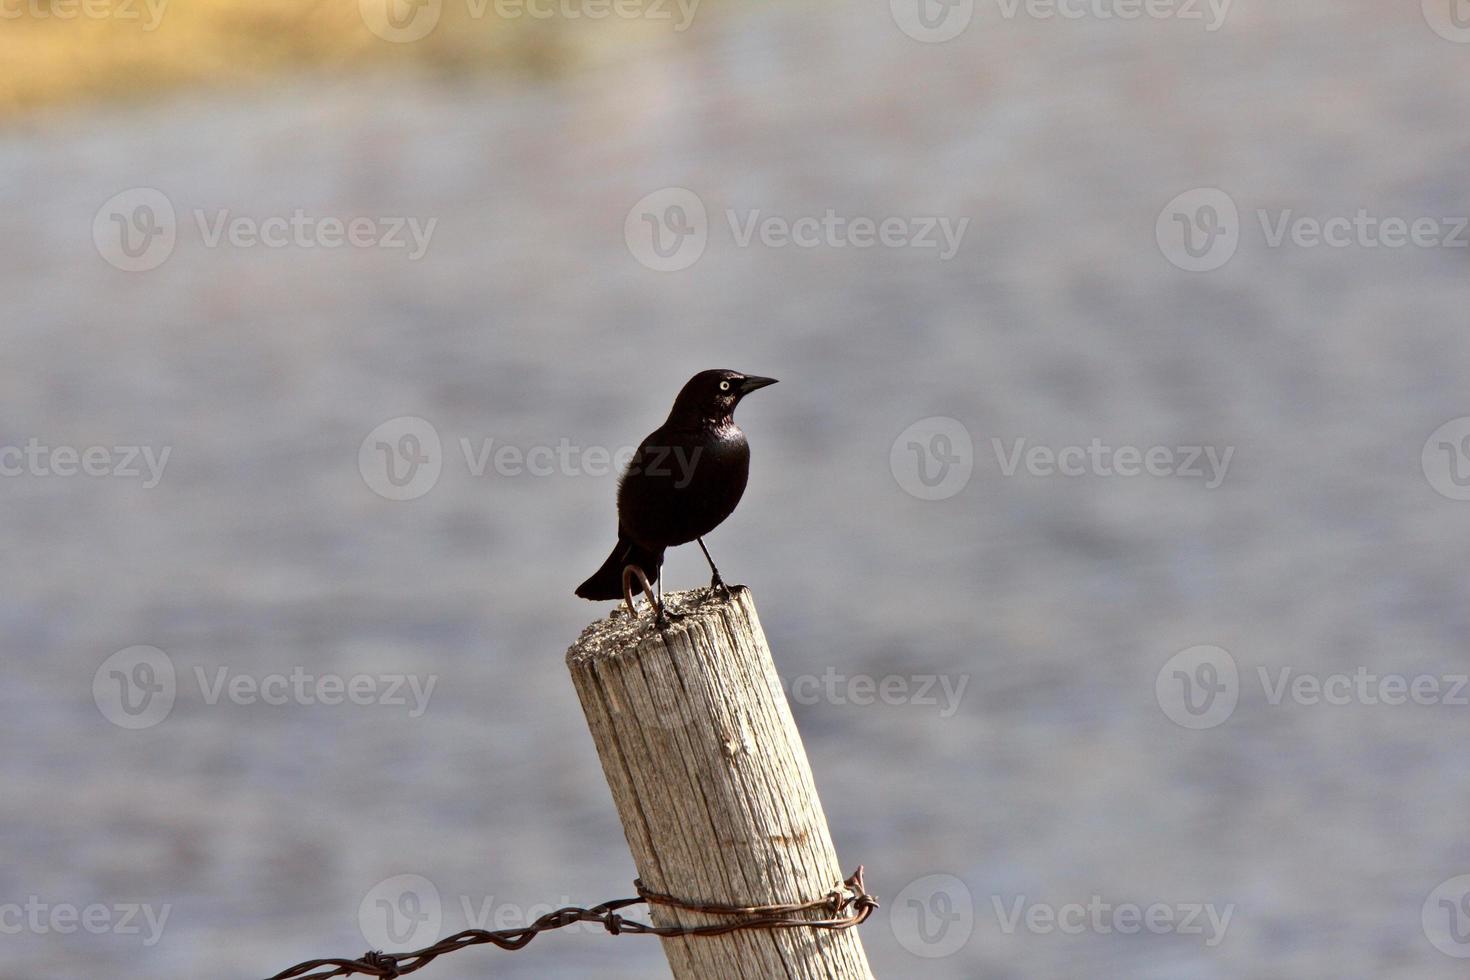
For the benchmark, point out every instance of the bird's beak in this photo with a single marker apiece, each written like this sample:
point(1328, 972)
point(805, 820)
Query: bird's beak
point(750, 384)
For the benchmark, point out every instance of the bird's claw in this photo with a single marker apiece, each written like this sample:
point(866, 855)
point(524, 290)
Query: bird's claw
point(663, 618)
point(717, 584)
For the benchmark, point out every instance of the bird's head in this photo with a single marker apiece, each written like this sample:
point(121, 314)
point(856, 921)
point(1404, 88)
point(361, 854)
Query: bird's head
point(714, 394)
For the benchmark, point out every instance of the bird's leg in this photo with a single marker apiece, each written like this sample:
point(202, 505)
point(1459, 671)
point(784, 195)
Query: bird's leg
point(664, 616)
point(715, 581)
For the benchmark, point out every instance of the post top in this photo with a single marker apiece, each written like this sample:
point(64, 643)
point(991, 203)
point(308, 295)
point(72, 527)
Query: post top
point(609, 636)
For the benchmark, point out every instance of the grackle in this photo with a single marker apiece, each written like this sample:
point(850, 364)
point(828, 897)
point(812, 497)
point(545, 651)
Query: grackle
point(685, 479)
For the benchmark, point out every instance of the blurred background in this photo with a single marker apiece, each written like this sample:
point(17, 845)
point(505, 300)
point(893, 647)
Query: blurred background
point(322, 320)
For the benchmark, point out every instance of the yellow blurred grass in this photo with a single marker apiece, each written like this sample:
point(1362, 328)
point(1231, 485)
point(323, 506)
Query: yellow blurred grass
point(52, 54)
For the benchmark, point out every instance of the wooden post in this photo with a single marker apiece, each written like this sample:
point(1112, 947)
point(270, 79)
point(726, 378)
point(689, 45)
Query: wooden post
point(712, 784)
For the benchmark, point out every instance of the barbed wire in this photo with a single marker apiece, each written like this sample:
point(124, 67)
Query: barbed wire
point(847, 906)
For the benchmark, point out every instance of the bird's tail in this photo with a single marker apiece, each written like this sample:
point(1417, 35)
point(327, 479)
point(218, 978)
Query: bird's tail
point(607, 581)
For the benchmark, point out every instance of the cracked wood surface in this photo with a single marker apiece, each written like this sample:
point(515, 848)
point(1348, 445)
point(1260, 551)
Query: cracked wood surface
point(712, 784)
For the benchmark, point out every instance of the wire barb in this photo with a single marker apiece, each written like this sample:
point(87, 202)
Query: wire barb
point(631, 572)
point(845, 907)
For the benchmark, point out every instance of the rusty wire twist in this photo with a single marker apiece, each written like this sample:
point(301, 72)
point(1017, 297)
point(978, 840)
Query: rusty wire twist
point(846, 907)
point(631, 572)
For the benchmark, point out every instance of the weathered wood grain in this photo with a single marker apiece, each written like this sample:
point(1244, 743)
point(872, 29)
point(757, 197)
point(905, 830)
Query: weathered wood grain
point(712, 784)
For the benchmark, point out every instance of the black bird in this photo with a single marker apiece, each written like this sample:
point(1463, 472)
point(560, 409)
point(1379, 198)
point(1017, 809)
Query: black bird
point(685, 479)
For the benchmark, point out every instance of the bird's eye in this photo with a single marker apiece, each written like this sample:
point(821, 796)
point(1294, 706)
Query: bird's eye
point(724, 386)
